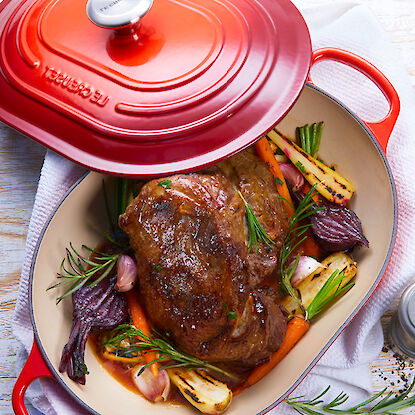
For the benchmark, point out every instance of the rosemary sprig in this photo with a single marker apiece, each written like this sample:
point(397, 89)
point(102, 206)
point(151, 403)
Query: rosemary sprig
point(141, 343)
point(165, 184)
point(388, 405)
point(255, 230)
point(295, 236)
point(78, 270)
point(309, 137)
point(328, 292)
point(231, 314)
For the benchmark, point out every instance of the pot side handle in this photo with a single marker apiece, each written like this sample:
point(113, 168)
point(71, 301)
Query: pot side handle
point(381, 129)
point(34, 368)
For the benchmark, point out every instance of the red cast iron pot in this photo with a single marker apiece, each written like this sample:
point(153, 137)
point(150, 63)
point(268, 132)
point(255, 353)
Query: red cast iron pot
point(356, 146)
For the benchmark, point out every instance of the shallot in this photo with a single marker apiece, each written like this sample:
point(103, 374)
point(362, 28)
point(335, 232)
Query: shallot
point(292, 175)
point(126, 272)
point(306, 266)
point(154, 389)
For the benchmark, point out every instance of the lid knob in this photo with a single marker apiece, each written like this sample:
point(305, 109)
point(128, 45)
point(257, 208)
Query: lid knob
point(115, 14)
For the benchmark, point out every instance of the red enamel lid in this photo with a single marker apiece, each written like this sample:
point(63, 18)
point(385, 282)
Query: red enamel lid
point(190, 83)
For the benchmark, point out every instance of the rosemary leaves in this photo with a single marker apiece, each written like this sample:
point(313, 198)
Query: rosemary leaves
point(388, 405)
point(140, 343)
point(295, 236)
point(255, 230)
point(78, 270)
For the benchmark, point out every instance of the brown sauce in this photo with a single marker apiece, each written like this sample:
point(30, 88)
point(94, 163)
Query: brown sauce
point(121, 372)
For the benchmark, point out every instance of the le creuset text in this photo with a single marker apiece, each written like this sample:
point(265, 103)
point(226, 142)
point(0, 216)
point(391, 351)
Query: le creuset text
point(75, 86)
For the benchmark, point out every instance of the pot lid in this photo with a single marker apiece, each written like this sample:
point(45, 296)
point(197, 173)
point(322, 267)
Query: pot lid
point(137, 88)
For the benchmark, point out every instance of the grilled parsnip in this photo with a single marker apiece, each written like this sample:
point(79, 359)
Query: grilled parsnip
point(112, 355)
point(330, 184)
point(205, 393)
point(110, 352)
point(309, 288)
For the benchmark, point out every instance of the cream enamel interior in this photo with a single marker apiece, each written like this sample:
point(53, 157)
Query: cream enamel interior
point(80, 218)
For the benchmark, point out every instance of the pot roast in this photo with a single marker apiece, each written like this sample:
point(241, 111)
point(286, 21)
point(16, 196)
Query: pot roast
point(198, 283)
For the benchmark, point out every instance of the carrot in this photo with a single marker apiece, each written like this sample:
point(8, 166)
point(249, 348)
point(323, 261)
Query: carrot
point(309, 246)
point(140, 322)
point(315, 196)
point(296, 329)
point(264, 151)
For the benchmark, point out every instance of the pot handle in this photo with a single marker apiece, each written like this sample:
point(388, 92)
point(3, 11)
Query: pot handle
point(381, 129)
point(34, 368)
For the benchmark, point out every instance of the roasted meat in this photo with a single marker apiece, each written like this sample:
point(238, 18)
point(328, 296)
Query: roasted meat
point(197, 280)
point(251, 176)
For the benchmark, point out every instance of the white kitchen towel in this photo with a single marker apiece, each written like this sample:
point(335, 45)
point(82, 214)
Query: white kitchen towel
point(346, 365)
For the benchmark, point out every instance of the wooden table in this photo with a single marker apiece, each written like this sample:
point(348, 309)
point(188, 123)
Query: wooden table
point(20, 163)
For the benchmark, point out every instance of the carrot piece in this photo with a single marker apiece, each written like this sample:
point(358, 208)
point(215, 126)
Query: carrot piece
point(296, 329)
point(140, 322)
point(264, 151)
point(310, 247)
point(315, 196)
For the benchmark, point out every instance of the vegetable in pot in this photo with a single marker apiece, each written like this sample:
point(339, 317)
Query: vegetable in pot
point(95, 307)
point(309, 137)
point(155, 389)
point(306, 265)
point(337, 228)
point(126, 273)
point(140, 322)
point(310, 287)
point(292, 176)
point(205, 393)
point(264, 151)
point(328, 182)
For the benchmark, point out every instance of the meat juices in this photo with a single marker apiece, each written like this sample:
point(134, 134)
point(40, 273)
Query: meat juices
point(197, 281)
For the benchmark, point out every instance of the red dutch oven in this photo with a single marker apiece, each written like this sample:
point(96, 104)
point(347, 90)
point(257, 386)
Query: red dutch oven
point(145, 90)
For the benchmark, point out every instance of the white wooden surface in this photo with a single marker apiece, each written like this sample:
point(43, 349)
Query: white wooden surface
point(20, 163)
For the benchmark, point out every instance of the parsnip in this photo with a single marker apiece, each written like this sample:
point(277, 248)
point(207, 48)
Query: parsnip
point(110, 352)
point(204, 392)
point(112, 355)
point(330, 184)
point(309, 288)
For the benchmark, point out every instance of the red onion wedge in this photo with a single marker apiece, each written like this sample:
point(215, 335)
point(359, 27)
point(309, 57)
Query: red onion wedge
point(292, 175)
point(154, 389)
point(126, 273)
point(306, 266)
point(337, 228)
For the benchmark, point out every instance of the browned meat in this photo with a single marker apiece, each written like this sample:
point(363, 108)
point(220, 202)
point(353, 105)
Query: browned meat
point(194, 270)
point(252, 177)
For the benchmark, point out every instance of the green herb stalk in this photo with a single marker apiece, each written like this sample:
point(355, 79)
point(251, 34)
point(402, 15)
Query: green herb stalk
point(387, 405)
point(255, 230)
point(141, 343)
point(79, 269)
point(295, 236)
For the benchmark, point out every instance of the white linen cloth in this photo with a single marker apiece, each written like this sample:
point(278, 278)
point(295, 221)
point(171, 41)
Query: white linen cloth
point(346, 364)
